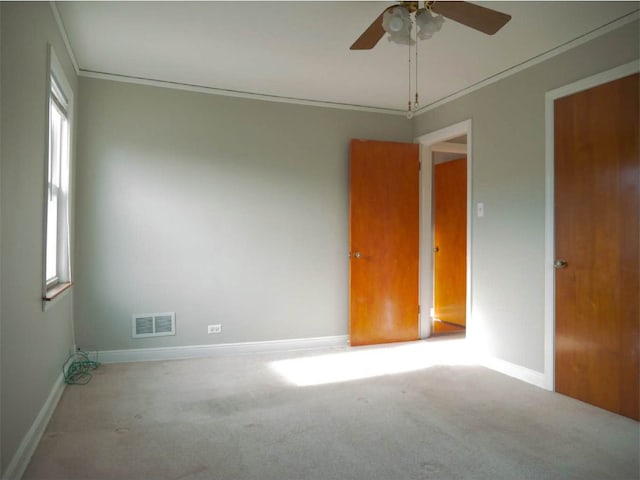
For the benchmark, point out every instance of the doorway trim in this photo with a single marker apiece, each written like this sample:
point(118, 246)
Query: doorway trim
point(426, 141)
point(549, 250)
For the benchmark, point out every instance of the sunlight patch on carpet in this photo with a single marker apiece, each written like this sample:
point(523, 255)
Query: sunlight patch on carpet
point(367, 362)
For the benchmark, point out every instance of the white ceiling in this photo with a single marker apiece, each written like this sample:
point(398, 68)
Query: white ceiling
point(301, 49)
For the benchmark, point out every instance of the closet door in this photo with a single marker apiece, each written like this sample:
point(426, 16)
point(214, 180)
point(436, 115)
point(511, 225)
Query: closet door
point(597, 176)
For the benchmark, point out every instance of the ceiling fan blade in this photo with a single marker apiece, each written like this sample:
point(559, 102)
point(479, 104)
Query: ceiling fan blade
point(480, 18)
point(371, 35)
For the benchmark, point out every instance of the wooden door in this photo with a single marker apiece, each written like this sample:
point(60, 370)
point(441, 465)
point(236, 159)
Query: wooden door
point(596, 233)
point(384, 246)
point(450, 242)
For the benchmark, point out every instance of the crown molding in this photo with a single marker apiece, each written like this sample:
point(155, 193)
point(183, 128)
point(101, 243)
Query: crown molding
point(234, 93)
point(65, 37)
point(609, 27)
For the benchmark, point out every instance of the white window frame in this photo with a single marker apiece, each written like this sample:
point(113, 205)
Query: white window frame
point(57, 183)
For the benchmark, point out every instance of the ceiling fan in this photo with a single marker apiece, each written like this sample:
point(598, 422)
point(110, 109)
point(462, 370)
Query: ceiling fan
point(479, 18)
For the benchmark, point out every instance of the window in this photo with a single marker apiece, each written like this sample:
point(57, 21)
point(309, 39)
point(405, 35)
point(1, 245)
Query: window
point(57, 258)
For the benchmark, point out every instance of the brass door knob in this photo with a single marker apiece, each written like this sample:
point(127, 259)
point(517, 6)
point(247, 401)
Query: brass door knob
point(560, 263)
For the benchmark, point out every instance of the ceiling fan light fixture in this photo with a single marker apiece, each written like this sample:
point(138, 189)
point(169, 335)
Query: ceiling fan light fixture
point(397, 23)
point(427, 24)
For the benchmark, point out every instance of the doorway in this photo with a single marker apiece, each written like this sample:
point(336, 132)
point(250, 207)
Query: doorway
point(446, 287)
point(449, 237)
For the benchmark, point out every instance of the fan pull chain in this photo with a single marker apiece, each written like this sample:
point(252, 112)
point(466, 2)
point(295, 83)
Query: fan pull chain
point(415, 105)
point(409, 110)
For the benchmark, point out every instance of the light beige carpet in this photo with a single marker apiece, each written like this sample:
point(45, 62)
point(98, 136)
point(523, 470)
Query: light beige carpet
point(236, 417)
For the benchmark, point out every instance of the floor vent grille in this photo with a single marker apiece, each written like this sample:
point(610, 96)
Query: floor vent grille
point(153, 324)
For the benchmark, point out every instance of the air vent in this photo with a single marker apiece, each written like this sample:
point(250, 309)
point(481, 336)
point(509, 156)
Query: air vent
point(154, 324)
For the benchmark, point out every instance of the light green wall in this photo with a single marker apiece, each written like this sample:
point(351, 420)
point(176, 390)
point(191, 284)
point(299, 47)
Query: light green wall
point(224, 210)
point(235, 211)
point(508, 119)
point(34, 344)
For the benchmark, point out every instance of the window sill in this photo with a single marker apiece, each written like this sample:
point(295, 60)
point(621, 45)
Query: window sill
point(57, 290)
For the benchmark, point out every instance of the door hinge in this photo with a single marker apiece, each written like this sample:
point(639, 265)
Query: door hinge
point(418, 309)
point(420, 165)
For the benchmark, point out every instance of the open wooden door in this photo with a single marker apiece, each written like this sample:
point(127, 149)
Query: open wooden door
point(450, 244)
point(384, 242)
point(597, 281)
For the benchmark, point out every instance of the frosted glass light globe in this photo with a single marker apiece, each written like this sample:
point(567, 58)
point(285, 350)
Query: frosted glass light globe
point(396, 24)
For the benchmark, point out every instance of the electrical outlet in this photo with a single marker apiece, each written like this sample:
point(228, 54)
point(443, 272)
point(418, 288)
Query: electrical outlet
point(214, 329)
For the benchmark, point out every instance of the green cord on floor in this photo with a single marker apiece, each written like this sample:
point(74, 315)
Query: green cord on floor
point(79, 370)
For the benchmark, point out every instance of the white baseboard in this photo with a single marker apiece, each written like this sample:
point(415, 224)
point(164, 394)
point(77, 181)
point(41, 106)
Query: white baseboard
point(196, 351)
point(29, 443)
point(516, 371)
